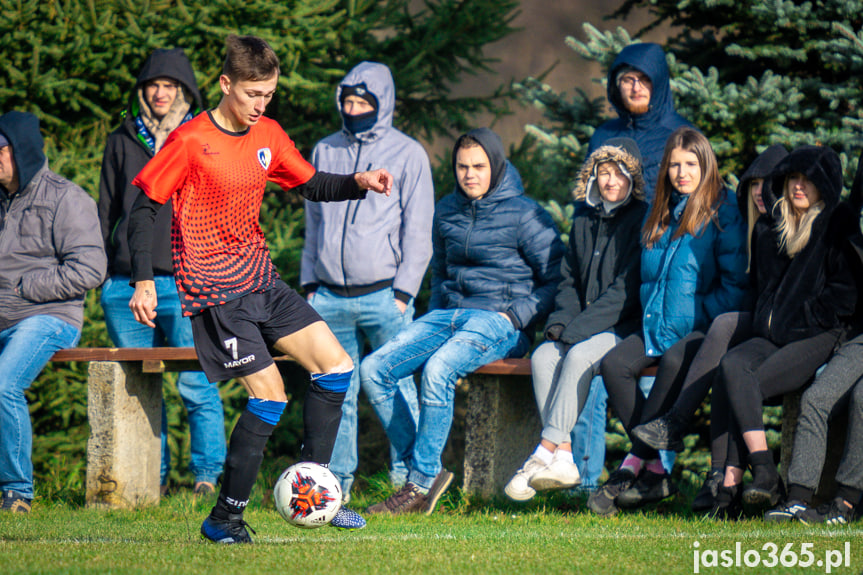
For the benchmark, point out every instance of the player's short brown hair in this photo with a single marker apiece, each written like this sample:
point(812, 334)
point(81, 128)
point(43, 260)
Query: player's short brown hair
point(249, 58)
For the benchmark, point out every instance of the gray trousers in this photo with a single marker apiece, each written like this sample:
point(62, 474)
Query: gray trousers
point(838, 387)
point(561, 381)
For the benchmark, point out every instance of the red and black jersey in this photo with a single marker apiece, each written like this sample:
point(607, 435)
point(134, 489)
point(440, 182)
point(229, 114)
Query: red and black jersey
point(217, 180)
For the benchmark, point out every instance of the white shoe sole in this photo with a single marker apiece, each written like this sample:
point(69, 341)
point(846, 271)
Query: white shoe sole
point(519, 495)
point(546, 483)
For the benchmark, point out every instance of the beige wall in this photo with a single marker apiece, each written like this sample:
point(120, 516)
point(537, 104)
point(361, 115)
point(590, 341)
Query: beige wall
point(536, 47)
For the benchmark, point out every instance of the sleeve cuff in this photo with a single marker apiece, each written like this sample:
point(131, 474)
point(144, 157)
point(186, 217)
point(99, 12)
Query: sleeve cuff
point(402, 296)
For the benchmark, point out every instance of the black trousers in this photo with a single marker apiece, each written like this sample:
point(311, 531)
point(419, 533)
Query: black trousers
point(621, 369)
point(757, 371)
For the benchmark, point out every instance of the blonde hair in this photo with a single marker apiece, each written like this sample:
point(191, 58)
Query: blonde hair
point(794, 227)
point(752, 215)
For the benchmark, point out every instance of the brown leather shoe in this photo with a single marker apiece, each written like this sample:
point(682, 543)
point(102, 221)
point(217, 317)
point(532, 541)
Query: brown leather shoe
point(408, 499)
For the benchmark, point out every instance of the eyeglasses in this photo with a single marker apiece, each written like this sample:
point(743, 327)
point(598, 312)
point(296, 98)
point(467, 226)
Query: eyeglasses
point(630, 81)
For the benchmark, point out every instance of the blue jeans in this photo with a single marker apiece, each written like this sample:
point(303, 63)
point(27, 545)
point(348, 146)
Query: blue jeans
point(588, 436)
point(373, 317)
point(201, 398)
point(25, 348)
point(451, 344)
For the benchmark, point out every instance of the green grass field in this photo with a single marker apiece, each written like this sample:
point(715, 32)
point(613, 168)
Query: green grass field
point(552, 534)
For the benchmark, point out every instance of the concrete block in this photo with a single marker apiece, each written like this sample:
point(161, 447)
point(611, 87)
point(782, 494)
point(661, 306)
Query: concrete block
point(124, 448)
point(502, 429)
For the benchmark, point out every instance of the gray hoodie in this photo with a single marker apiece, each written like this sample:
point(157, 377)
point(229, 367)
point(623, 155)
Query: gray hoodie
point(50, 246)
point(359, 246)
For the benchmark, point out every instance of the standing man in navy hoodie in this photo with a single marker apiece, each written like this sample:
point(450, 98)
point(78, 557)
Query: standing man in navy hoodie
point(639, 89)
point(364, 260)
point(50, 255)
point(165, 96)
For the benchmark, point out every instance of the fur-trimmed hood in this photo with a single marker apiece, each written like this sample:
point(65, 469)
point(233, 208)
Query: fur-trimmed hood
point(622, 151)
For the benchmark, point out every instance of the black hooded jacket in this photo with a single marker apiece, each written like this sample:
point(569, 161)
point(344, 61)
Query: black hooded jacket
point(762, 167)
point(815, 291)
point(125, 155)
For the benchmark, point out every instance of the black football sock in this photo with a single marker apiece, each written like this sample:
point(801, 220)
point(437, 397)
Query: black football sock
point(322, 413)
point(245, 454)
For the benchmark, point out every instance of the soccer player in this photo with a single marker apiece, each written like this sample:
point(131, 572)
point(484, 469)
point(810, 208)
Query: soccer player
point(214, 169)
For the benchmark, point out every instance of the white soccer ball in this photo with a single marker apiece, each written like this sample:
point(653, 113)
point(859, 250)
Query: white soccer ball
point(308, 495)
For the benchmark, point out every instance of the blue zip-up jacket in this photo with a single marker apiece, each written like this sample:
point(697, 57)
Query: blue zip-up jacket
point(354, 245)
point(499, 253)
point(651, 129)
point(688, 281)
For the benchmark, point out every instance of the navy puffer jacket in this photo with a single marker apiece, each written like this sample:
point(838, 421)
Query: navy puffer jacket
point(499, 253)
point(651, 129)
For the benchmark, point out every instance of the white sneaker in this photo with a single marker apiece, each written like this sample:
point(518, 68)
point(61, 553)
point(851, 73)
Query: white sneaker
point(561, 473)
point(518, 487)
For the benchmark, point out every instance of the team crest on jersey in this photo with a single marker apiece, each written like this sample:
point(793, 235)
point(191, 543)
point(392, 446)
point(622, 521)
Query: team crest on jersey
point(264, 156)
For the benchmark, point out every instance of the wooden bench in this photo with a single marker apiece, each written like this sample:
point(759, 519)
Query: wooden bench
point(502, 424)
point(124, 395)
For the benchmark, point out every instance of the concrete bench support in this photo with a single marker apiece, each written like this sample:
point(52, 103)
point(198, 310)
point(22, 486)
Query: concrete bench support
point(123, 451)
point(501, 430)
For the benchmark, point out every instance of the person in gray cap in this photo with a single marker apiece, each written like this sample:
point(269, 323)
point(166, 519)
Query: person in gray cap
point(51, 253)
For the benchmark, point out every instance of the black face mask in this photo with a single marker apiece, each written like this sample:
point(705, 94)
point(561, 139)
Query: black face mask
point(361, 122)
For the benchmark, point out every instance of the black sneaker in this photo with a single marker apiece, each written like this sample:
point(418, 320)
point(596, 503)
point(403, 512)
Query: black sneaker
point(766, 490)
point(408, 499)
point(440, 485)
point(728, 505)
point(14, 503)
point(602, 501)
point(650, 487)
point(786, 511)
point(230, 530)
point(833, 513)
point(706, 496)
point(664, 432)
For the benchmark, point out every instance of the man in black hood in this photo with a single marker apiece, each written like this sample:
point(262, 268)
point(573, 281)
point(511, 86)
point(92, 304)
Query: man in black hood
point(165, 96)
point(50, 255)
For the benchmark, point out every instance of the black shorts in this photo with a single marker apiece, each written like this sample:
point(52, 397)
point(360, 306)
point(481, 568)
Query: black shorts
point(234, 339)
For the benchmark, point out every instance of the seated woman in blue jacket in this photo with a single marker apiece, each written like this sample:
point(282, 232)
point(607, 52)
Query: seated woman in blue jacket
point(595, 307)
point(806, 295)
point(693, 268)
point(726, 331)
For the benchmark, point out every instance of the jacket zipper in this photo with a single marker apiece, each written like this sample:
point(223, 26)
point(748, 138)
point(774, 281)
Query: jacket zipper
point(348, 219)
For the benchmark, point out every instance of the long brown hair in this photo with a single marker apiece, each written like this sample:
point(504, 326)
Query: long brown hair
point(703, 203)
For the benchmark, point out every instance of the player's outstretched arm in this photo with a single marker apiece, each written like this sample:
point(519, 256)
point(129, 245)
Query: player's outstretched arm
point(380, 181)
point(143, 302)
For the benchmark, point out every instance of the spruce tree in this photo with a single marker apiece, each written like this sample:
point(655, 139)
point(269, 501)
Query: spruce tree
point(73, 63)
point(748, 74)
